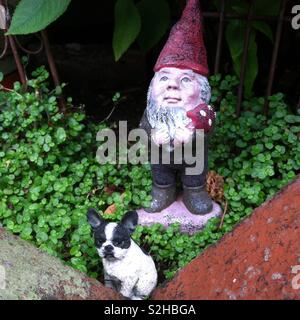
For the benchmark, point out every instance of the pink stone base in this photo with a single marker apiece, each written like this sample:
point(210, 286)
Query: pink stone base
point(177, 212)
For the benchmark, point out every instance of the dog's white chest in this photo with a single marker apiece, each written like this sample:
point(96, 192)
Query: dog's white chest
point(136, 270)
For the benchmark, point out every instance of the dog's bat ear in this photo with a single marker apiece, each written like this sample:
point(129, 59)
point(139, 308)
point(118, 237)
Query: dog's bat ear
point(93, 218)
point(130, 221)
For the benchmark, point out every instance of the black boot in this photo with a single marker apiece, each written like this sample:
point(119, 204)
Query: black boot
point(162, 197)
point(197, 200)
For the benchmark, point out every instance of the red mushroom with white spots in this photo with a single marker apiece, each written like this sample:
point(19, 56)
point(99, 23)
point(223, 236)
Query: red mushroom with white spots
point(203, 117)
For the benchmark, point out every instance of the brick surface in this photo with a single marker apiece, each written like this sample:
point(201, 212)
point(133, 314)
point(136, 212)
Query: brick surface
point(259, 259)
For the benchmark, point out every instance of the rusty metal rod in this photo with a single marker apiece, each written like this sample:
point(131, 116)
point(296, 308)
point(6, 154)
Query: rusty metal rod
point(50, 58)
point(220, 37)
point(244, 59)
point(18, 62)
point(52, 66)
point(14, 50)
point(274, 56)
point(4, 51)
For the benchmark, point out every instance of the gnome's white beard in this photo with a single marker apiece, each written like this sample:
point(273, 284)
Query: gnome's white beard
point(165, 118)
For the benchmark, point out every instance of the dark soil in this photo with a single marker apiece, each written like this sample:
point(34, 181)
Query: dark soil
point(93, 78)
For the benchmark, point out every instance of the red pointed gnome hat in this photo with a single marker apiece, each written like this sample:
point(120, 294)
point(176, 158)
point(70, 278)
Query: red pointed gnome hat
point(185, 47)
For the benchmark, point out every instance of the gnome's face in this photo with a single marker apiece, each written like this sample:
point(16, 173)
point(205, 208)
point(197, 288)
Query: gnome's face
point(172, 93)
point(173, 87)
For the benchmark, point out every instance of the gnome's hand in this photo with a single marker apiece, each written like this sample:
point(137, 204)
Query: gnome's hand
point(183, 135)
point(160, 137)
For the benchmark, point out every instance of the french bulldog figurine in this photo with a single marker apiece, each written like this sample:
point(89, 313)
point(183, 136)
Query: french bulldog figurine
point(127, 268)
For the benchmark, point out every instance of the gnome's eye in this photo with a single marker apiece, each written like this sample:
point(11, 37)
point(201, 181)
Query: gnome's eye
point(186, 79)
point(164, 78)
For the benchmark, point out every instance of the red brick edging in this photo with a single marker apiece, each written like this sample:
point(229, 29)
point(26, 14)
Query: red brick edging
point(259, 259)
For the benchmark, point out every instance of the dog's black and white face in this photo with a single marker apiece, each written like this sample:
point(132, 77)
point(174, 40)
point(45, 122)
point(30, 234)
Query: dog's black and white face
point(112, 239)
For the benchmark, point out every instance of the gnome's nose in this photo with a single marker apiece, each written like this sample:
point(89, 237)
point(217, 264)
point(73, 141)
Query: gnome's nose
point(172, 85)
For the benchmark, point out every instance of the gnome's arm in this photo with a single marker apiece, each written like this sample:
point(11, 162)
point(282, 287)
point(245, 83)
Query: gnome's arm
point(144, 124)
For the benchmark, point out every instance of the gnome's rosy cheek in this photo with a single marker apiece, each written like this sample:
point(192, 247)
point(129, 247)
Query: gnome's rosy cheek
point(157, 94)
point(190, 95)
point(158, 91)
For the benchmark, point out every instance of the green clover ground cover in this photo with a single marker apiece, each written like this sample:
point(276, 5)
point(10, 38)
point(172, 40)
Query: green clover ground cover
point(49, 175)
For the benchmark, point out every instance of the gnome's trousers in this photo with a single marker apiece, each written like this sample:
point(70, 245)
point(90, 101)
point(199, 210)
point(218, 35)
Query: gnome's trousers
point(165, 174)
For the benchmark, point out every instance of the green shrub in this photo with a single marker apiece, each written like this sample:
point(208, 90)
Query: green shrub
point(257, 155)
point(49, 175)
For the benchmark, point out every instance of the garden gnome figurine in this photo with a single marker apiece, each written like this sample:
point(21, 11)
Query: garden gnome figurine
point(177, 105)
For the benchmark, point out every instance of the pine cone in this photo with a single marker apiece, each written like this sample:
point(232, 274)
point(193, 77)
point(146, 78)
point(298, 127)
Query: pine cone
point(215, 186)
